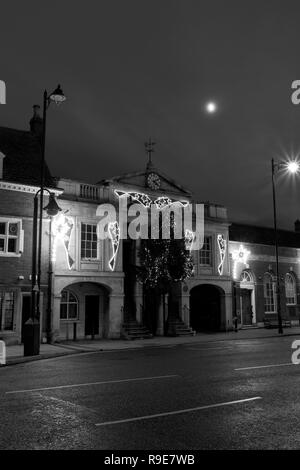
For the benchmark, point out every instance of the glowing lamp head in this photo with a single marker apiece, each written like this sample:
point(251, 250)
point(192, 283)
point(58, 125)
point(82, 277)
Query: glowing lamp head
point(211, 107)
point(293, 167)
point(52, 207)
point(57, 96)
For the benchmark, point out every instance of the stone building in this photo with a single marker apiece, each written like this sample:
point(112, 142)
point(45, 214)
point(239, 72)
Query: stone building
point(88, 285)
point(253, 263)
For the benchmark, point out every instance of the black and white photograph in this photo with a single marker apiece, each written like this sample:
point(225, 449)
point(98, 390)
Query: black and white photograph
point(149, 228)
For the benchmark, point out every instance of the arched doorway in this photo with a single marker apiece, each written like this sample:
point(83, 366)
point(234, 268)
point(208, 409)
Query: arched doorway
point(206, 308)
point(84, 311)
point(247, 298)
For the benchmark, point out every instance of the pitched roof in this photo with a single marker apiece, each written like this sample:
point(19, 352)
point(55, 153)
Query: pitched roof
point(263, 235)
point(22, 162)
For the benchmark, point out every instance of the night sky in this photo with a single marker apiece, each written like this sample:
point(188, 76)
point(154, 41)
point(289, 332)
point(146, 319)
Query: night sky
point(135, 68)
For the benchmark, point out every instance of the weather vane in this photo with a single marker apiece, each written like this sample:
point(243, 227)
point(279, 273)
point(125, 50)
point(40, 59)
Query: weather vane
point(149, 146)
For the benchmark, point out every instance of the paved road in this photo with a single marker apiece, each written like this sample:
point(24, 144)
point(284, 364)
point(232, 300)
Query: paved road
point(197, 396)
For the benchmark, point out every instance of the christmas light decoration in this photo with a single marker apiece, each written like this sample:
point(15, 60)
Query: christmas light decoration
point(142, 198)
point(222, 251)
point(62, 227)
point(114, 235)
point(189, 239)
point(240, 256)
point(160, 202)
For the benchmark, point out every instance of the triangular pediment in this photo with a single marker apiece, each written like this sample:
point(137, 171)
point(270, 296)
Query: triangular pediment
point(138, 182)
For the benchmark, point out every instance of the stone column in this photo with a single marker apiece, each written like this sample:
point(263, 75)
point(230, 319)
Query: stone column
point(116, 305)
point(160, 318)
point(138, 298)
point(228, 312)
point(185, 309)
point(55, 324)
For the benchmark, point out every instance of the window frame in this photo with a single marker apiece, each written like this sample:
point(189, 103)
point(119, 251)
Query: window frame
point(68, 303)
point(294, 297)
point(7, 236)
point(3, 303)
point(267, 297)
point(206, 253)
point(96, 241)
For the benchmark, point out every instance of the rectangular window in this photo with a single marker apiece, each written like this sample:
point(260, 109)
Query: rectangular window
point(10, 235)
point(89, 243)
point(269, 295)
point(205, 254)
point(7, 303)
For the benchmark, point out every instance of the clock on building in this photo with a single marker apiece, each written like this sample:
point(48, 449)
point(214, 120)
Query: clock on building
point(153, 181)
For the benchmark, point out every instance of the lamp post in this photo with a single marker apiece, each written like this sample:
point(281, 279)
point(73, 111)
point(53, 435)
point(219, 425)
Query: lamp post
point(291, 167)
point(32, 326)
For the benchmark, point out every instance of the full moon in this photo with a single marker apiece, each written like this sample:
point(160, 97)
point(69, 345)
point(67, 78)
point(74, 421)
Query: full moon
point(211, 107)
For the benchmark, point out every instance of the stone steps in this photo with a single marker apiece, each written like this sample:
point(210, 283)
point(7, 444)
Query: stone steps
point(133, 330)
point(176, 327)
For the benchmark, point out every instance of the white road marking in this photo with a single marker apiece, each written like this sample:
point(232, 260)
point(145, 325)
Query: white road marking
point(170, 413)
point(208, 349)
point(93, 383)
point(269, 365)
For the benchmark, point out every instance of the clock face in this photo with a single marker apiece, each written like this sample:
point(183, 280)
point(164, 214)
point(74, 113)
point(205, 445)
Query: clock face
point(153, 181)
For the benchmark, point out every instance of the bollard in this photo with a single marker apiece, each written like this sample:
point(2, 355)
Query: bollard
point(2, 353)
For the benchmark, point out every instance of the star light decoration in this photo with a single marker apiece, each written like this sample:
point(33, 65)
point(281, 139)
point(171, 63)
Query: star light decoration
point(240, 256)
point(114, 235)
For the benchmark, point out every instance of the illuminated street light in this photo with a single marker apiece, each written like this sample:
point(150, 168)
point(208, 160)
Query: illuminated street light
point(293, 167)
point(32, 326)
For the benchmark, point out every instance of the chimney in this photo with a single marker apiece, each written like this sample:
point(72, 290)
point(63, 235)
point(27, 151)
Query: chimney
point(36, 122)
point(2, 156)
point(297, 225)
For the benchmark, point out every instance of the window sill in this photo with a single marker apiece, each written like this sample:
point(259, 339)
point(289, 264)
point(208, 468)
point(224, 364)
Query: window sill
point(10, 255)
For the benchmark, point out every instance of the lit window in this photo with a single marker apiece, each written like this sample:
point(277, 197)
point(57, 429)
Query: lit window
point(10, 237)
point(269, 294)
point(68, 306)
point(7, 304)
point(89, 243)
point(205, 254)
point(290, 289)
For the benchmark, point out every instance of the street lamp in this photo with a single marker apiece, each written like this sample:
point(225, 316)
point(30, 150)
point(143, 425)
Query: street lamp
point(32, 326)
point(291, 167)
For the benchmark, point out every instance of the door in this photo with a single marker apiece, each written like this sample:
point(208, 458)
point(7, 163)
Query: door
point(91, 315)
point(246, 306)
point(205, 311)
point(26, 301)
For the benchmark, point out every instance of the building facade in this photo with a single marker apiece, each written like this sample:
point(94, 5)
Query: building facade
point(253, 263)
point(89, 287)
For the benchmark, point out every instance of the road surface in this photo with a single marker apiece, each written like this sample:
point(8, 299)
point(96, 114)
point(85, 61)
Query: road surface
point(239, 394)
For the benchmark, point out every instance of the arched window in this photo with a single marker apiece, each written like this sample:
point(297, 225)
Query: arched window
point(290, 289)
point(246, 277)
point(68, 306)
point(269, 294)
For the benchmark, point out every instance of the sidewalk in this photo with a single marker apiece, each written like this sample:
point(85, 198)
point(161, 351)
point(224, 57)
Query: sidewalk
point(14, 354)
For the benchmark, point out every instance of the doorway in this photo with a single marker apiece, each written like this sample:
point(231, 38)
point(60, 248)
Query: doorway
point(205, 308)
point(91, 315)
point(246, 307)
